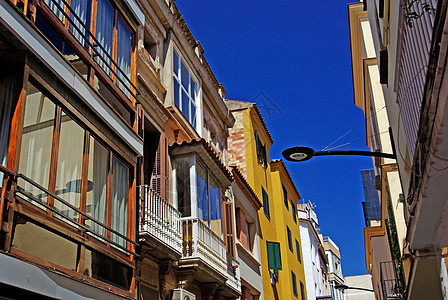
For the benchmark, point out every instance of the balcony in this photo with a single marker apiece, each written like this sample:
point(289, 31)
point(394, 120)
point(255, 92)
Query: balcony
point(391, 283)
point(200, 242)
point(160, 221)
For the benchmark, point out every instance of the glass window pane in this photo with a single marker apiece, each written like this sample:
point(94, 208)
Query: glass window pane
point(124, 44)
point(176, 93)
point(80, 19)
point(44, 244)
point(120, 198)
point(185, 76)
point(37, 139)
point(104, 33)
point(193, 115)
point(201, 182)
point(7, 88)
point(56, 6)
point(175, 64)
point(215, 206)
point(69, 167)
point(97, 185)
point(183, 187)
point(185, 105)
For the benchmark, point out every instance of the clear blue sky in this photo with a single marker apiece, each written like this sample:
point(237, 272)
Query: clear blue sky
point(298, 54)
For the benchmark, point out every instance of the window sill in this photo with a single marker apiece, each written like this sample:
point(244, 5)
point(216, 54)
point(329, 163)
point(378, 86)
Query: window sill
point(247, 253)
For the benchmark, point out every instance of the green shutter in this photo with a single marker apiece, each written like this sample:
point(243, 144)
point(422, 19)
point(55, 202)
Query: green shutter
point(274, 256)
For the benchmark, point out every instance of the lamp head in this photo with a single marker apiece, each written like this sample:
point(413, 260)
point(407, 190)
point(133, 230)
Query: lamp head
point(298, 153)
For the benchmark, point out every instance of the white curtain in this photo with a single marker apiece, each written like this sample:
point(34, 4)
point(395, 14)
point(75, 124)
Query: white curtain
point(120, 198)
point(124, 44)
point(97, 186)
point(7, 87)
point(82, 11)
point(104, 32)
point(53, 5)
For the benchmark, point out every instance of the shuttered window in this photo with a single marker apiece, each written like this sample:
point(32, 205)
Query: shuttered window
point(229, 232)
point(274, 256)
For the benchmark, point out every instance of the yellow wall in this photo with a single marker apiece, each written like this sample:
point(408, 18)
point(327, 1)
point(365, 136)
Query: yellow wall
point(273, 229)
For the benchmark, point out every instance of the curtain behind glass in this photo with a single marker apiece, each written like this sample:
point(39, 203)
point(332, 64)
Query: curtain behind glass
point(56, 7)
point(69, 167)
point(215, 206)
point(37, 139)
point(7, 87)
point(201, 182)
point(183, 187)
point(97, 185)
point(124, 43)
point(77, 28)
point(120, 197)
point(104, 33)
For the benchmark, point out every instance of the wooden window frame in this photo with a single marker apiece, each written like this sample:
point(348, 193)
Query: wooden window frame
point(87, 55)
point(46, 219)
point(276, 262)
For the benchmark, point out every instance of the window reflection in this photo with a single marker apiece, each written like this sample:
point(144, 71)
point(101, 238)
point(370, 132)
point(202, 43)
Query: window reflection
point(97, 175)
point(37, 137)
point(183, 187)
point(120, 195)
point(69, 167)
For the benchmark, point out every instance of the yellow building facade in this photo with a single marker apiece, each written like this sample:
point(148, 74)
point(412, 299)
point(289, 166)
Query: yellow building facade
point(249, 144)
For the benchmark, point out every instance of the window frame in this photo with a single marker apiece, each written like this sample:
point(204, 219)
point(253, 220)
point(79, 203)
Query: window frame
point(302, 290)
point(261, 151)
point(86, 53)
point(290, 245)
point(61, 105)
point(285, 196)
point(195, 160)
point(275, 257)
point(193, 97)
point(294, 284)
point(266, 209)
point(299, 256)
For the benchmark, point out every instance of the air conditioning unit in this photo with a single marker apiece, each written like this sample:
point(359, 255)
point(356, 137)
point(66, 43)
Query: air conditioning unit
point(181, 294)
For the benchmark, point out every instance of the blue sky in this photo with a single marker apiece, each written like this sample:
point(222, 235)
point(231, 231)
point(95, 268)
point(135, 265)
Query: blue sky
point(297, 54)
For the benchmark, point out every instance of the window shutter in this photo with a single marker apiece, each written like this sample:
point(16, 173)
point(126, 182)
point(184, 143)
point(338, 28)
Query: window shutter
point(229, 232)
point(274, 256)
point(158, 172)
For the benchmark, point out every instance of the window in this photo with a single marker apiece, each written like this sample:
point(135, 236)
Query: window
point(208, 193)
point(88, 181)
point(266, 203)
point(289, 239)
point(298, 252)
point(186, 90)
point(302, 290)
point(294, 211)
point(113, 45)
point(261, 151)
point(245, 229)
point(274, 256)
point(285, 197)
point(45, 125)
point(294, 284)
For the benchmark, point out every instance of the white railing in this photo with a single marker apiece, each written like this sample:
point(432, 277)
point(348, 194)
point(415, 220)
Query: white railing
point(160, 219)
point(199, 241)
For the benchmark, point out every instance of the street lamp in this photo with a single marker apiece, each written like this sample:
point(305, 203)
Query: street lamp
point(301, 153)
point(344, 287)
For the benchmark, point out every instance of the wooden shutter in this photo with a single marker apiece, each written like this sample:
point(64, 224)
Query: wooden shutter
point(229, 234)
point(159, 170)
point(274, 256)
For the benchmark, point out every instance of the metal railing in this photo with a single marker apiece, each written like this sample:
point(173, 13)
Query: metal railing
point(391, 285)
point(199, 241)
point(39, 201)
point(100, 53)
point(160, 219)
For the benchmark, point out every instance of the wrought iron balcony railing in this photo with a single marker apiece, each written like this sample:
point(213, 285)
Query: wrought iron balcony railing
point(391, 283)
